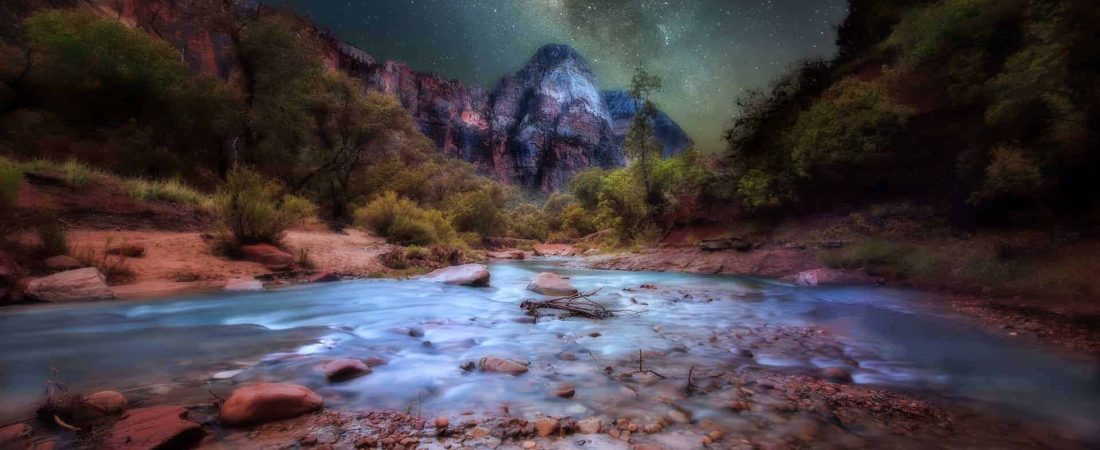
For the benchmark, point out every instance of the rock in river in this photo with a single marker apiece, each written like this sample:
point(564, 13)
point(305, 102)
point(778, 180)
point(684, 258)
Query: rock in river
point(547, 283)
point(345, 369)
point(494, 364)
point(465, 275)
point(106, 403)
point(71, 286)
point(243, 284)
point(155, 427)
point(266, 402)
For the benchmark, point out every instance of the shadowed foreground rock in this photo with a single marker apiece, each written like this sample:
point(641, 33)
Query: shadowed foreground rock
point(475, 275)
point(157, 427)
point(265, 402)
point(494, 364)
point(71, 286)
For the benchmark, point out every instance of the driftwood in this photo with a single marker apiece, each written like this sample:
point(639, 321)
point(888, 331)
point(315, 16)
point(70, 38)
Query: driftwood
point(577, 304)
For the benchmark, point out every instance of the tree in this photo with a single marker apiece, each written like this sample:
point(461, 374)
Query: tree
point(640, 143)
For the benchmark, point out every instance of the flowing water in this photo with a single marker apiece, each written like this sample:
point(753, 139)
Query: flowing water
point(179, 349)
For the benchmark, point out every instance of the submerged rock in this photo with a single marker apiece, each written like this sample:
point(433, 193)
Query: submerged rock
point(589, 426)
point(475, 275)
point(494, 364)
point(824, 276)
point(345, 369)
point(552, 284)
point(71, 286)
point(157, 427)
point(243, 284)
point(265, 402)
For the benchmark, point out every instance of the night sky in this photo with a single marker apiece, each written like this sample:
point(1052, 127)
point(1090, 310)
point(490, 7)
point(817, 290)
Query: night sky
point(707, 51)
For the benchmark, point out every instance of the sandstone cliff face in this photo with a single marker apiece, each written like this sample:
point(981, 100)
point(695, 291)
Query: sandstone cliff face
point(536, 128)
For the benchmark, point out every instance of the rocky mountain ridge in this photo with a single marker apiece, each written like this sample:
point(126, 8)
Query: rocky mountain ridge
point(535, 128)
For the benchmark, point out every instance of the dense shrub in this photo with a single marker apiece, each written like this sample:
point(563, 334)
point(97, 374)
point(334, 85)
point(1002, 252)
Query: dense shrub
point(11, 179)
point(839, 141)
point(900, 260)
point(402, 221)
point(251, 210)
point(172, 190)
point(527, 221)
point(55, 240)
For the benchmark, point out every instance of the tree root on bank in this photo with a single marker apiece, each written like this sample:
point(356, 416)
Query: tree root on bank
point(577, 304)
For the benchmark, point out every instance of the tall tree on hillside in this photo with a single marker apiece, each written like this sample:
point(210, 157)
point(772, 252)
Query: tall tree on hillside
point(640, 144)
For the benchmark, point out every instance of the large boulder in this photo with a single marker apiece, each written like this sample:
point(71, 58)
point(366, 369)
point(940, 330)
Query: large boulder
point(265, 402)
point(465, 275)
point(501, 365)
point(156, 427)
point(71, 286)
point(62, 262)
point(554, 250)
point(547, 283)
point(269, 255)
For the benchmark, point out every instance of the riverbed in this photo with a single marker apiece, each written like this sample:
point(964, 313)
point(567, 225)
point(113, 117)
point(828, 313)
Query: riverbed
point(419, 336)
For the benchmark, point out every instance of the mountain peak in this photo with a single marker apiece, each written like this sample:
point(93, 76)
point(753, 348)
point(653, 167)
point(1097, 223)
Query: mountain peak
point(553, 55)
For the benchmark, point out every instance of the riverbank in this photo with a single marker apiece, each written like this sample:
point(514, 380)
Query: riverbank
point(1068, 321)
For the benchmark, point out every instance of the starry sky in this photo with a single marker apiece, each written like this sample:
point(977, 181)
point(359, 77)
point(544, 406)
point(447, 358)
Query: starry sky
point(707, 51)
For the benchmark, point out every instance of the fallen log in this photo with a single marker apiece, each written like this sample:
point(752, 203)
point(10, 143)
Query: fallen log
point(578, 304)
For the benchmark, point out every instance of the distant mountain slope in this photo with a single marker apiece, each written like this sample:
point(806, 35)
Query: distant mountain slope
point(673, 139)
point(535, 128)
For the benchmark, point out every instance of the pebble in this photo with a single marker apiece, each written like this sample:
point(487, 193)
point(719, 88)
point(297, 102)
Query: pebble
point(567, 356)
point(478, 432)
point(652, 428)
point(441, 422)
point(565, 390)
point(546, 426)
point(529, 445)
point(678, 416)
point(589, 426)
point(837, 374)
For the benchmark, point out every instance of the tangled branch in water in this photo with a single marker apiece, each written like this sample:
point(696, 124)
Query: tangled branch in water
point(578, 304)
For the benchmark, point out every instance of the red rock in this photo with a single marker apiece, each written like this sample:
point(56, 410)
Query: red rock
point(106, 403)
point(565, 390)
point(10, 272)
point(546, 426)
point(514, 255)
point(475, 275)
point(324, 277)
point(156, 427)
point(269, 255)
point(62, 262)
point(837, 374)
point(243, 284)
point(14, 435)
point(71, 286)
point(554, 250)
point(551, 284)
point(266, 402)
point(494, 364)
point(345, 369)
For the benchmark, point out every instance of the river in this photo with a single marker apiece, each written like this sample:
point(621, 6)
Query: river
point(183, 348)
